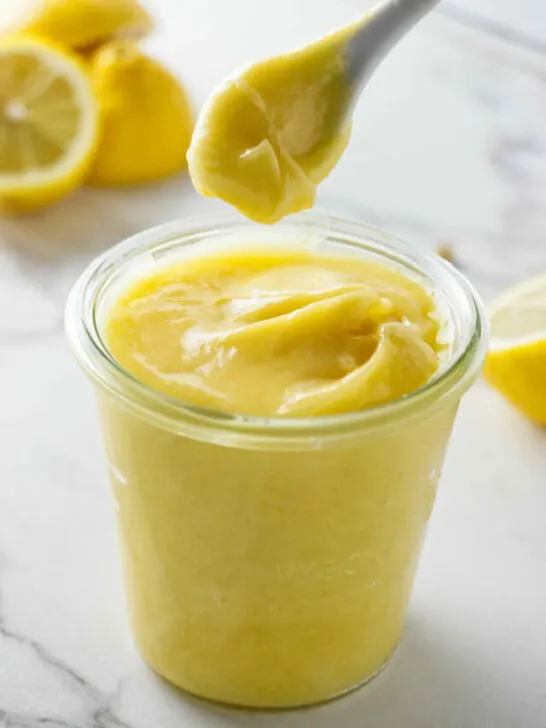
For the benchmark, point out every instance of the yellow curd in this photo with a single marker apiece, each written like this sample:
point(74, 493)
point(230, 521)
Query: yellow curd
point(266, 577)
point(277, 332)
point(269, 559)
point(271, 577)
point(273, 131)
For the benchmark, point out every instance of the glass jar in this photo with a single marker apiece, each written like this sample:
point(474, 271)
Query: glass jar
point(269, 562)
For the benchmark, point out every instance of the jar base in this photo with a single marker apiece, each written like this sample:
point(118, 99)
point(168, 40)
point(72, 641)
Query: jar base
point(205, 700)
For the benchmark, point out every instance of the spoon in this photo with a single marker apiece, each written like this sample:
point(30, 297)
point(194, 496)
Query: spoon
point(366, 42)
point(272, 131)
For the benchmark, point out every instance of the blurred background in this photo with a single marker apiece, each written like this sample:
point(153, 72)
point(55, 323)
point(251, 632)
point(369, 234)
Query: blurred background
point(449, 151)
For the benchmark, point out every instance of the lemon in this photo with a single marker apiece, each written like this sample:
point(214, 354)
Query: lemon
point(83, 23)
point(146, 118)
point(516, 363)
point(48, 123)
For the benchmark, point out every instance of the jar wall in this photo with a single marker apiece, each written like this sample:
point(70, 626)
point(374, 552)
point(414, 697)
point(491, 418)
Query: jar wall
point(266, 578)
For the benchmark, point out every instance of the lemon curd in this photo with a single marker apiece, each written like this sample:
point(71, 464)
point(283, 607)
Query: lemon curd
point(270, 133)
point(273, 579)
point(269, 332)
point(275, 416)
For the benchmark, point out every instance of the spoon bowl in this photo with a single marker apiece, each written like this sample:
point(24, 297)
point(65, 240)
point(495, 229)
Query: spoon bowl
point(273, 130)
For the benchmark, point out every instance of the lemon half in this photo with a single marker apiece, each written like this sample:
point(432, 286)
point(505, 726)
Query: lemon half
point(48, 124)
point(516, 363)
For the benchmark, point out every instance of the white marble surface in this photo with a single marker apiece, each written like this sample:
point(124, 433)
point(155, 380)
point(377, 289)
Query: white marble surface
point(449, 144)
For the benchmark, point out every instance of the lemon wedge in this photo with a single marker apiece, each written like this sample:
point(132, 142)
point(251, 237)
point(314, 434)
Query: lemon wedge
point(516, 363)
point(48, 124)
point(83, 23)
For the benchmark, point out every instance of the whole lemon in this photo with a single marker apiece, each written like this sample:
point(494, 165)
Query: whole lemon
point(83, 23)
point(146, 117)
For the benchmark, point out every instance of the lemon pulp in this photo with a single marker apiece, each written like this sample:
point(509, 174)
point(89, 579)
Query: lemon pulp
point(48, 123)
point(516, 362)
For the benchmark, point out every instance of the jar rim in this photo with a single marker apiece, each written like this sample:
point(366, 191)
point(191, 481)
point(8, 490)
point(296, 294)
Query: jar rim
point(180, 417)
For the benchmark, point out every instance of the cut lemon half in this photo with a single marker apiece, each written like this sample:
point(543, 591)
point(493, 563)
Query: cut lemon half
point(48, 124)
point(516, 363)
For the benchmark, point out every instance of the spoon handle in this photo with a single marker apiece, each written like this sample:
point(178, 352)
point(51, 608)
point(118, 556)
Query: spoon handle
point(378, 31)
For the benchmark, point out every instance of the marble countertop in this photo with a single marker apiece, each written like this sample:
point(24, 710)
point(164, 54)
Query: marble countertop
point(449, 146)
